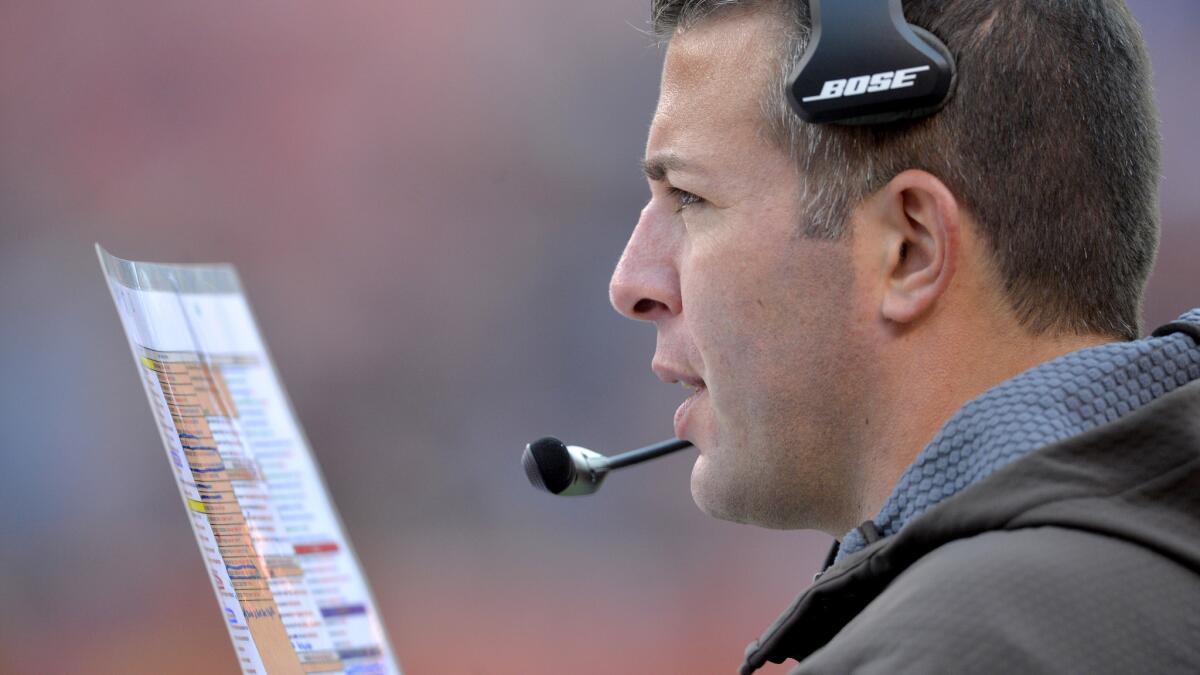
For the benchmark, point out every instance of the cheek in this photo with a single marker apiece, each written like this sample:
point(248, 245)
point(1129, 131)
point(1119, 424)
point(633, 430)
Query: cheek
point(735, 319)
point(722, 322)
point(769, 322)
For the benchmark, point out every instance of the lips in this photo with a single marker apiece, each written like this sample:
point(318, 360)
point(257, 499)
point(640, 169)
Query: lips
point(670, 374)
point(681, 413)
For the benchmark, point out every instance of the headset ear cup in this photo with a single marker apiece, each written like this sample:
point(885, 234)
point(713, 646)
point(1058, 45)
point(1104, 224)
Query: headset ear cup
point(857, 47)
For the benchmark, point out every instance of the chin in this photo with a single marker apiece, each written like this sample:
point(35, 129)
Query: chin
point(738, 499)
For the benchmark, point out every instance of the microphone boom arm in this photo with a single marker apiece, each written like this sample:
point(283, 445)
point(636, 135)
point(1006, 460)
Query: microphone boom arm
point(647, 453)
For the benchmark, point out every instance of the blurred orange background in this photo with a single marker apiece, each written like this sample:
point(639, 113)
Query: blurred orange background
point(425, 201)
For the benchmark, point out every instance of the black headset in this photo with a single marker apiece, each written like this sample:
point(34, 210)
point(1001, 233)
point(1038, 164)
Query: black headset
point(865, 64)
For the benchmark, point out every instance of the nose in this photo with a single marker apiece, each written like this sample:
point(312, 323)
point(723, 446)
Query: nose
point(645, 284)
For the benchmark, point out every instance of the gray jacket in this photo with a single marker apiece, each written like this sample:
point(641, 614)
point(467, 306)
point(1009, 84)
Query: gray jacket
point(1080, 557)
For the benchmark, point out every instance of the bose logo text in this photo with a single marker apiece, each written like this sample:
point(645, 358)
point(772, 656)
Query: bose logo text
point(864, 84)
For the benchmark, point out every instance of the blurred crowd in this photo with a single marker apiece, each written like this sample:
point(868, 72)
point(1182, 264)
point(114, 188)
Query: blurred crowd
point(424, 201)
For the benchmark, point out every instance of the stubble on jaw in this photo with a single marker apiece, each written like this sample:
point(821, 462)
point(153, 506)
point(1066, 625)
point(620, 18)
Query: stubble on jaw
point(789, 453)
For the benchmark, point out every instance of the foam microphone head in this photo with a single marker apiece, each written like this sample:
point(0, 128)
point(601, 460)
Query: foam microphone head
point(564, 470)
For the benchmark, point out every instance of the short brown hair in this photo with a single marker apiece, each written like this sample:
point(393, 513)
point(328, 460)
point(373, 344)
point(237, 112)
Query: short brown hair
point(1050, 141)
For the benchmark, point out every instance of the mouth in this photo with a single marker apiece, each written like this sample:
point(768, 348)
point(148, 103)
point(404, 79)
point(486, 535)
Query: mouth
point(695, 386)
point(698, 391)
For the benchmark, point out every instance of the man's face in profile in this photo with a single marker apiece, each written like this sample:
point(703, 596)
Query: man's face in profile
point(752, 317)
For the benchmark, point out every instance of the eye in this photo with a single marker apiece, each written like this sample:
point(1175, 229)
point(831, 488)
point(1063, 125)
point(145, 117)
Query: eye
point(683, 198)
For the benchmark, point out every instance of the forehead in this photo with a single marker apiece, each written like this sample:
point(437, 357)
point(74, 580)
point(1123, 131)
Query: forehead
point(714, 77)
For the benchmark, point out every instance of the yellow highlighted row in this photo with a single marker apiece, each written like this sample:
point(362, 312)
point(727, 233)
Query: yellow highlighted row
point(197, 506)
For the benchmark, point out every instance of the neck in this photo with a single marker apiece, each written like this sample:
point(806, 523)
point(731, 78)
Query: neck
point(936, 369)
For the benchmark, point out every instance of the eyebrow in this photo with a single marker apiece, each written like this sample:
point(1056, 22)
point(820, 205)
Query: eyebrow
point(656, 167)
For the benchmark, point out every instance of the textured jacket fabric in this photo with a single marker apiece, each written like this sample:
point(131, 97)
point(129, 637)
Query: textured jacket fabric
point(1082, 556)
point(1051, 402)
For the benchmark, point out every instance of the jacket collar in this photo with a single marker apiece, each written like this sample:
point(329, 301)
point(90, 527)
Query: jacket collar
point(1046, 404)
point(1138, 478)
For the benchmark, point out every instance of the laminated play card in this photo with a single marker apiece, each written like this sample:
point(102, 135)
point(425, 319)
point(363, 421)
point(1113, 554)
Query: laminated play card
point(288, 585)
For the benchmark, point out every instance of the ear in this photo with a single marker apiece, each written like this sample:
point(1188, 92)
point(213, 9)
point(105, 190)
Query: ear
point(920, 222)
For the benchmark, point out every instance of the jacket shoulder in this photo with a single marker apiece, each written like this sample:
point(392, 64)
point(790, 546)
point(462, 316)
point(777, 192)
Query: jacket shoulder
point(1044, 599)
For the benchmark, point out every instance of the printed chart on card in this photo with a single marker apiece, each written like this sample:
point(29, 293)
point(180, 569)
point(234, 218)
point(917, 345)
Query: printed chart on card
point(289, 587)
